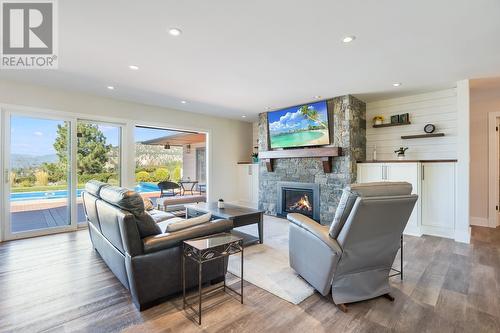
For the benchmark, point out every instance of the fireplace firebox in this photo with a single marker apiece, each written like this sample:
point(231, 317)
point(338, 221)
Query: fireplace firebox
point(295, 197)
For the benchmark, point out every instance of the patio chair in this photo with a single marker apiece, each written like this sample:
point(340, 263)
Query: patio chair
point(167, 188)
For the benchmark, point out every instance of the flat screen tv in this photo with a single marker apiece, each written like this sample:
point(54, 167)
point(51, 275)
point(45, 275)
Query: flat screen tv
point(299, 126)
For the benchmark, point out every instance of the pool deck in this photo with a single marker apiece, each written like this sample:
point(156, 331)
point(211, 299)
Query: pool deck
point(43, 218)
point(47, 213)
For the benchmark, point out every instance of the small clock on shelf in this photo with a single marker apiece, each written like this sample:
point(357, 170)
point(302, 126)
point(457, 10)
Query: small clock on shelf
point(429, 128)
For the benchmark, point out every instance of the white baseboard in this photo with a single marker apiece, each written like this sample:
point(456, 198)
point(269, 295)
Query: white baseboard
point(479, 221)
point(412, 231)
point(438, 231)
point(462, 237)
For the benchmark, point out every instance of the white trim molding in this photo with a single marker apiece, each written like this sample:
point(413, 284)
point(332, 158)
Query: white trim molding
point(479, 221)
point(462, 223)
point(493, 169)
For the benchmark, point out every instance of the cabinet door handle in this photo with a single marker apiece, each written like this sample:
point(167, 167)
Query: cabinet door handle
point(423, 172)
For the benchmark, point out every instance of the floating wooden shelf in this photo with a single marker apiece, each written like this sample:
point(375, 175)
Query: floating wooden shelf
point(420, 136)
point(325, 153)
point(390, 125)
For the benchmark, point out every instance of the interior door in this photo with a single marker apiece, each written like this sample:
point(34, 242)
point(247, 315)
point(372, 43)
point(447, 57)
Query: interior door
point(498, 174)
point(38, 182)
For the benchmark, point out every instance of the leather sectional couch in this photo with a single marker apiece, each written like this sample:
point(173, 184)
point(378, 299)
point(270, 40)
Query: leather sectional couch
point(149, 267)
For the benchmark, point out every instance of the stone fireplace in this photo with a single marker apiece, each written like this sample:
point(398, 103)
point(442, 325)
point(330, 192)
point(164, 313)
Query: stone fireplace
point(347, 121)
point(303, 198)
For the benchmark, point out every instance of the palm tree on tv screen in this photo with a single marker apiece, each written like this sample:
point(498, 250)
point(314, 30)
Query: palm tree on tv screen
point(310, 113)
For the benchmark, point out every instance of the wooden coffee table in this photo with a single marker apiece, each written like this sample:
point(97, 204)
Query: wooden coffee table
point(240, 216)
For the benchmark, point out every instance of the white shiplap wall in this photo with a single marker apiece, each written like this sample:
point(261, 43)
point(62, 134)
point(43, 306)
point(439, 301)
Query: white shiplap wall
point(438, 108)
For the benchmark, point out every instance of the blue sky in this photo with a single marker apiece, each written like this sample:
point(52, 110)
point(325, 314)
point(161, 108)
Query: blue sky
point(36, 137)
point(291, 119)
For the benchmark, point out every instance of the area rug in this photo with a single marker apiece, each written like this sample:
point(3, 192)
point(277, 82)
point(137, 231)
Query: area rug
point(267, 266)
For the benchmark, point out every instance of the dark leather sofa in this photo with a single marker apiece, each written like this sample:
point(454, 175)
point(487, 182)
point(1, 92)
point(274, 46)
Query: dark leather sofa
point(150, 267)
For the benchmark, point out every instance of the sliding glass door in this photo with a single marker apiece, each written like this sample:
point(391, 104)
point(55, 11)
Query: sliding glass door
point(37, 164)
point(98, 157)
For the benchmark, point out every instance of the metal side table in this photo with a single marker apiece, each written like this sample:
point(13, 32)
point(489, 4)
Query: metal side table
point(206, 249)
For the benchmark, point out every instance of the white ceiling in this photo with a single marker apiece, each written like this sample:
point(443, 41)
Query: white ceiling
point(238, 57)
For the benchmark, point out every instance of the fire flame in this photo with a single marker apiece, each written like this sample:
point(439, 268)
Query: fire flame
point(302, 204)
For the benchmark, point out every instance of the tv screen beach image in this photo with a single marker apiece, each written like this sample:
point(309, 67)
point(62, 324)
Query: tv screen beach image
point(299, 126)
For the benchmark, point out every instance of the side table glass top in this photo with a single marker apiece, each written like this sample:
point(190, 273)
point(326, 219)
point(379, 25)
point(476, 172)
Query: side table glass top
point(212, 241)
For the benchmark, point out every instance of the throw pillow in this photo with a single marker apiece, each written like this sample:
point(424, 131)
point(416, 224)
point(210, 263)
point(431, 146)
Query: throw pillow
point(176, 226)
point(148, 204)
point(147, 225)
point(346, 203)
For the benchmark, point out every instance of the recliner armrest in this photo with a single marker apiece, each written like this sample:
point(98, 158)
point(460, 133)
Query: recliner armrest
point(169, 240)
point(318, 230)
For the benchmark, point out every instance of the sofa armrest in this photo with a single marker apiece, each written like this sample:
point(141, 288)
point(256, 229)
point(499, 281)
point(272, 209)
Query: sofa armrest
point(168, 240)
point(318, 230)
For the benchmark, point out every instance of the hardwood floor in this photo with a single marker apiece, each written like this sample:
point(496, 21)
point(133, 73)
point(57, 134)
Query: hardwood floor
point(57, 283)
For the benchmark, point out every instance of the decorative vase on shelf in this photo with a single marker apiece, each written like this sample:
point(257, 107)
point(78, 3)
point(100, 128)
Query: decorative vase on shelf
point(255, 158)
point(378, 120)
point(220, 204)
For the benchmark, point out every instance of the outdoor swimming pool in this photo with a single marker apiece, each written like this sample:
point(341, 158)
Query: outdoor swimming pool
point(61, 194)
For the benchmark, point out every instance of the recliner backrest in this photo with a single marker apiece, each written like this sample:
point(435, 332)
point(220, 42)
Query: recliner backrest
point(111, 210)
point(90, 197)
point(371, 234)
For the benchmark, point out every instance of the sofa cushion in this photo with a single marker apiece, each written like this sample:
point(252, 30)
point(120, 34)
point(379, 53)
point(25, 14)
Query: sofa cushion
point(160, 216)
point(187, 223)
point(94, 187)
point(382, 189)
point(124, 198)
point(147, 225)
point(344, 208)
point(164, 224)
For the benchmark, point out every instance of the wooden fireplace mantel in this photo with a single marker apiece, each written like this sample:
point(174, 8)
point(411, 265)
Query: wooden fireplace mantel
point(325, 153)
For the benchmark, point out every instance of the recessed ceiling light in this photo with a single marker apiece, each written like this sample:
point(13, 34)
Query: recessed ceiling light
point(243, 116)
point(317, 97)
point(133, 67)
point(183, 102)
point(174, 31)
point(348, 39)
point(396, 84)
point(111, 87)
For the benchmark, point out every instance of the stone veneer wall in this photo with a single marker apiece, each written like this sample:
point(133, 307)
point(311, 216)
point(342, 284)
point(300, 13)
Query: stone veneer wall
point(347, 120)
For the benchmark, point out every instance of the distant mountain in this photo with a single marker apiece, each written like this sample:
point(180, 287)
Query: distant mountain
point(29, 161)
point(152, 155)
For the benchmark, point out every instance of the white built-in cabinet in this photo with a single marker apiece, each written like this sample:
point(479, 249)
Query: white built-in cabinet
point(247, 185)
point(438, 199)
point(434, 182)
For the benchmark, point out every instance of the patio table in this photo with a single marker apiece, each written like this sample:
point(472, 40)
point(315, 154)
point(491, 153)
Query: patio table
point(187, 182)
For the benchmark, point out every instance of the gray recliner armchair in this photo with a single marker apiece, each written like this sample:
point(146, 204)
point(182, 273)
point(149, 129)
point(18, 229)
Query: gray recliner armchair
point(355, 254)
